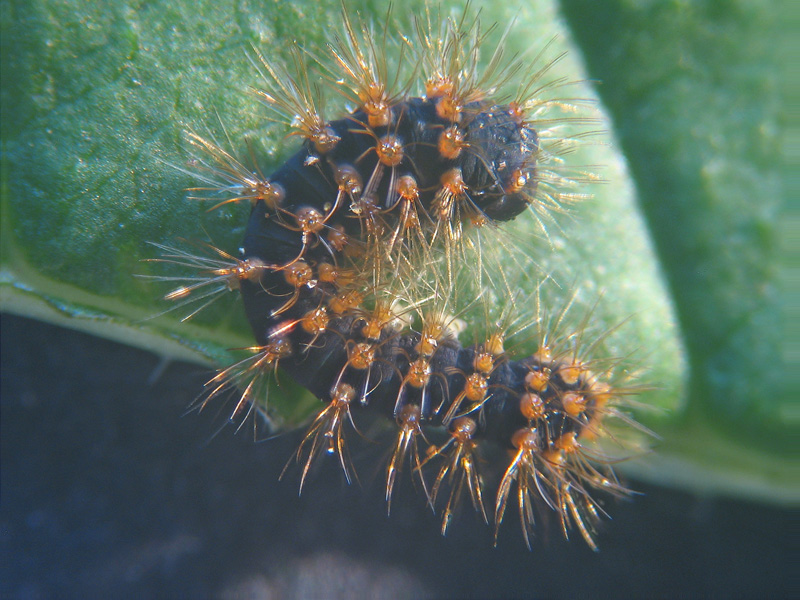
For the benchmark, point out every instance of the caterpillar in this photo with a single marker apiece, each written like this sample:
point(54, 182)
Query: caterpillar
point(365, 248)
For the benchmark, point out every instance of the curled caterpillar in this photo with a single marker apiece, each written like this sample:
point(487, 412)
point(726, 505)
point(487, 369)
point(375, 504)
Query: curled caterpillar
point(354, 262)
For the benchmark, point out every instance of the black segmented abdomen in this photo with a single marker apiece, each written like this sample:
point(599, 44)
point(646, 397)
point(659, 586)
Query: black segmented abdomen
point(495, 148)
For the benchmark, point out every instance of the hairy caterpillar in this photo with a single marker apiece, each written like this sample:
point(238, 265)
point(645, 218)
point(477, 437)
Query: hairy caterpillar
point(364, 248)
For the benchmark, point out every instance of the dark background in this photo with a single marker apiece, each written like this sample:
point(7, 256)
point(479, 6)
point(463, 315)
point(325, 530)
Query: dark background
point(110, 490)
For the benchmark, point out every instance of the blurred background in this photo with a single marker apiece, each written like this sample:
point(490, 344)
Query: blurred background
point(108, 490)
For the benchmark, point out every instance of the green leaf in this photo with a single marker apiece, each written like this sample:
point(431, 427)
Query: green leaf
point(695, 91)
point(96, 100)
